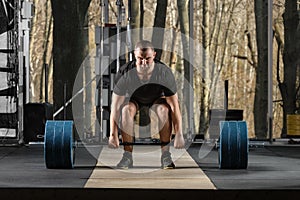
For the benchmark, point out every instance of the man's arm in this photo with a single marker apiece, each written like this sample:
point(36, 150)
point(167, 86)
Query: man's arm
point(115, 112)
point(176, 120)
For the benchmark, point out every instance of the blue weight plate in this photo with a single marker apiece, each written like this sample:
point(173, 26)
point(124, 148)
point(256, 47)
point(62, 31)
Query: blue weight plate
point(49, 156)
point(244, 147)
point(233, 151)
point(233, 145)
point(58, 145)
point(224, 157)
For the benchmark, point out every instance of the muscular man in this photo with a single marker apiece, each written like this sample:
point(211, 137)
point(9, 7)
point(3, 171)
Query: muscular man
point(148, 82)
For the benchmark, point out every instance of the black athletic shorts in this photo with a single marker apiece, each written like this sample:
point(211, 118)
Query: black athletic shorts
point(143, 109)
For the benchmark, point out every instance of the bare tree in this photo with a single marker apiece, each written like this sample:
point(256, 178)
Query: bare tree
point(40, 51)
point(135, 20)
point(69, 48)
point(261, 88)
point(228, 28)
point(159, 22)
point(288, 87)
point(204, 116)
point(183, 15)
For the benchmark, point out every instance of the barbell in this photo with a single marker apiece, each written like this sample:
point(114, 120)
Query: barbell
point(59, 145)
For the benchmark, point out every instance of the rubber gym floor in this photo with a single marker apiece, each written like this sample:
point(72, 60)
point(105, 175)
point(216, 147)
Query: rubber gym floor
point(273, 168)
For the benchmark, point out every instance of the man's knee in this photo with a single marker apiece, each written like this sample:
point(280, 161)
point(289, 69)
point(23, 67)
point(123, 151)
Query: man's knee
point(162, 111)
point(128, 111)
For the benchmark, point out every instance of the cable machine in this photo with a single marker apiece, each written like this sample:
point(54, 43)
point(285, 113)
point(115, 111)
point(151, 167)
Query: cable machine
point(18, 14)
point(111, 45)
point(110, 55)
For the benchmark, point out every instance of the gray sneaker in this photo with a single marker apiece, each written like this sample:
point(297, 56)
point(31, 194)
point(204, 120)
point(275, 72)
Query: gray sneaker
point(126, 162)
point(166, 161)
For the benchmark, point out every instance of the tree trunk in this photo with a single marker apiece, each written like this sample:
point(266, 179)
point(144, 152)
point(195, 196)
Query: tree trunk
point(47, 35)
point(205, 102)
point(290, 59)
point(135, 21)
point(215, 74)
point(69, 48)
point(142, 17)
point(159, 23)
point(40, 50)
point(261, 88)
point(183, 15)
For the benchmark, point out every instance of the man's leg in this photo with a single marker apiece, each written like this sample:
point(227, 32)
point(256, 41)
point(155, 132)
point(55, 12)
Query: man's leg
point(127, 124)
point(164, 125)
point(127, 131)
point(165, 131)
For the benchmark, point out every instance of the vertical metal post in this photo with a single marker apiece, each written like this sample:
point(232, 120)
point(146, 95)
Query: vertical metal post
point(191, 71)
point(141, 18)
point(26, 14)
point(65, 100)
point(119, 4)
point(129, 42)
point(226, 95)
point(105, 11)
point(270, 70)
point(46, 83)
point(13, 41)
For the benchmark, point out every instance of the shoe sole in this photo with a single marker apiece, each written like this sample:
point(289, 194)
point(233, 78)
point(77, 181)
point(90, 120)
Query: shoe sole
point(168, 167)
point(124, 167)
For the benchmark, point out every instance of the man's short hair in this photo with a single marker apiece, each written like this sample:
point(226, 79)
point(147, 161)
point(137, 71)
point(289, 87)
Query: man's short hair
point(144, 45)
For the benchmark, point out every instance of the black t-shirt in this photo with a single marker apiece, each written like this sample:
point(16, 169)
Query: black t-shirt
point(161, 83)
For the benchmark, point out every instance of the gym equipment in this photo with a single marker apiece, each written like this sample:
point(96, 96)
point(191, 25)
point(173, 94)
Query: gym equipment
point(35, 117)
point(59, 139)
point(15, 20)
point(233, 149)
point(59, 145)
point(293, 127)
point(59, 148)
point(233, 135)
point(146, 142)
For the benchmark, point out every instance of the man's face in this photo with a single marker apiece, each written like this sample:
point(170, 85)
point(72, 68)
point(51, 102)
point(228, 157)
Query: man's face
point(144, 59)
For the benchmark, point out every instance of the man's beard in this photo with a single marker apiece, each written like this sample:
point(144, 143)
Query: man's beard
point(145, 67)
